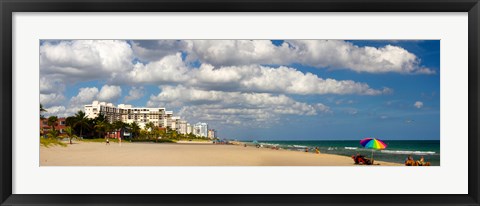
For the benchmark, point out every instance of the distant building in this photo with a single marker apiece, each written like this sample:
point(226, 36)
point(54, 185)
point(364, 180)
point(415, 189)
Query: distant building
point(175, 124)
point(200, 129)
point(143, 115)
point(212, 134)
point(59, 125)
point(182, 127)
point(127, 113)
point(108, 109)
point(189, 129)
point(167, 121)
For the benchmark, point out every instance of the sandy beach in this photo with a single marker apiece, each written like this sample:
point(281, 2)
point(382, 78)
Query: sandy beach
point(183, 154)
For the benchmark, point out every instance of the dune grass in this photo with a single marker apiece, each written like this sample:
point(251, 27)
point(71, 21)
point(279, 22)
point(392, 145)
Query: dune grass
point(102, 140)
point(47, 142)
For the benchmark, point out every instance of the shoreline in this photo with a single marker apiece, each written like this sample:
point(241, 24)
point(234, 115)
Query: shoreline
point(397, 153)
point(184, 154)
point(267, 147)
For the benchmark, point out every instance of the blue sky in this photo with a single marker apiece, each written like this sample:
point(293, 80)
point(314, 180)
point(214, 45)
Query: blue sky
point(260, 89)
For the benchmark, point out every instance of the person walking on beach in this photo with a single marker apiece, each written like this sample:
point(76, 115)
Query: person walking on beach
point(107, 141)
point(317, 151)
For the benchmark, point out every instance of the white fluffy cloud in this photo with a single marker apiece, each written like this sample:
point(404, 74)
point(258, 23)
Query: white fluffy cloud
point(229, 107)
point(334, 54)
point(238, 52)
point(51, 85)
point(109, 93)
point(148, 50)
point(51, 99)
point(135, 93)
point(51, 91)
point(344, 55)
point(249, 78)
point(88, 94)
point(255, 78)
point(219, 75)
point(84, 60)
point(170, 69)
point(418, 104)
point(85, 96)
point(56, 111)
point(67, 62)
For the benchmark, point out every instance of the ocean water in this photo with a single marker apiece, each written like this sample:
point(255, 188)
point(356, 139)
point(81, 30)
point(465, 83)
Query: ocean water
point(396, 151)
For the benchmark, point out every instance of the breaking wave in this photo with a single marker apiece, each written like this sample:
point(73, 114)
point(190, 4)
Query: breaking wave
point(408, 152)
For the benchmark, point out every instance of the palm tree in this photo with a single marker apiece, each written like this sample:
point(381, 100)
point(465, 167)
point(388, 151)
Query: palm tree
point(42, 110)
point(100, 118)
point(119, 126)
point(52, 122)
point(134, 129)
point(150, 127)
point(70, 134)
point(158, 132)
point(53, 134)
point(80, 121)
point(155, 133)
point(70, 121)
point(174, 134)
point(101, 127)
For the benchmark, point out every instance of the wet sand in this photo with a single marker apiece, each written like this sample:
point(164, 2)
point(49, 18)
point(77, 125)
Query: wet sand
point(183, 154)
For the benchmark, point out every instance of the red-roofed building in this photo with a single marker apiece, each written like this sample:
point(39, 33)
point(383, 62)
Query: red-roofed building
point(60, 125)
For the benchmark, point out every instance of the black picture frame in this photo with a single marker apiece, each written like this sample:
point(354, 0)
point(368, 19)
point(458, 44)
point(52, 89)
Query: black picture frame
point(7, 7)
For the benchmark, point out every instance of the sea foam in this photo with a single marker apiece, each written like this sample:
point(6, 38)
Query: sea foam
point(408, 152)
point(351, 148)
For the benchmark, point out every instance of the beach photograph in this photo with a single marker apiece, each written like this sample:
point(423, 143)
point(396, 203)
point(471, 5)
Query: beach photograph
point(239, 102)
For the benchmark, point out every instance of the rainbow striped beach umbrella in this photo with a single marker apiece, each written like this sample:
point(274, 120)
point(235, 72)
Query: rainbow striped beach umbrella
point(374, 144)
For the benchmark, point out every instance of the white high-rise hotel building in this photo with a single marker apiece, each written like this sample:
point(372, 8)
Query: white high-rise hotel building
point(142, 115)
point(200, 129)
point(129, 114)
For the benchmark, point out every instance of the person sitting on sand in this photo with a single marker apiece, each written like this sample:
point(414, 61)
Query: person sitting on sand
point(360, 159)
point(422, 162)
point(317, 151)
point(306, 149)
point(355, 159)
point(410, 161)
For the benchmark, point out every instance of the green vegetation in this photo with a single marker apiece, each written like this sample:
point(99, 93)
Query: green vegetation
point(41, 111)
point(156, 141)
point(46, 142)
point(69, 134)
point(53, 134)
point(167, 135)
point(52, 122)
point(101, 140)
